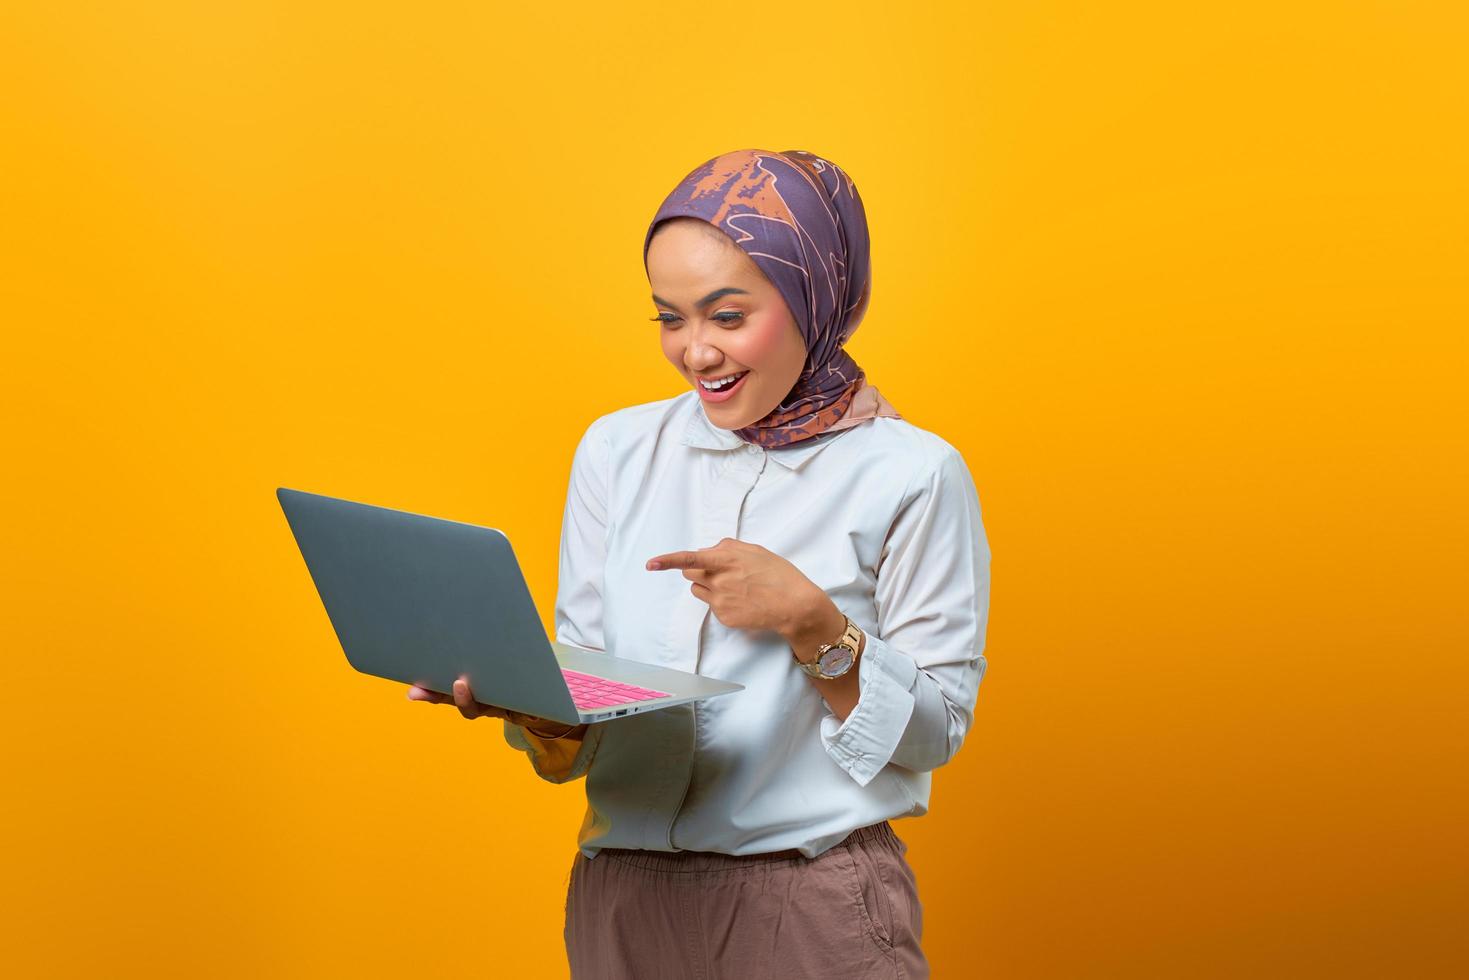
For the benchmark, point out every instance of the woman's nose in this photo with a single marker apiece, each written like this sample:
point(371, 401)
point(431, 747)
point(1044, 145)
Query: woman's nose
point(700, 353)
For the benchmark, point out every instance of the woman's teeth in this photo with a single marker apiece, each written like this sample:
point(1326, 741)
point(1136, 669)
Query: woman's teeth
point(722, 383)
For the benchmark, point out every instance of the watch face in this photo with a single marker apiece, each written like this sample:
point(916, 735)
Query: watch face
point(836, 661)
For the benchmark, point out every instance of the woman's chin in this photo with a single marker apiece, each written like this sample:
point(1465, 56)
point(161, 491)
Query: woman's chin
point(729, 422)
point(731, 418)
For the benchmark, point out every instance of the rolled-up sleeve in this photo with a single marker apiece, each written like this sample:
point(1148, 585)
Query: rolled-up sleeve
point(919, 674)
point(578, 599)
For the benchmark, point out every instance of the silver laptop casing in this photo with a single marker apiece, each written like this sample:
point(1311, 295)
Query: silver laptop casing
point(422, 600)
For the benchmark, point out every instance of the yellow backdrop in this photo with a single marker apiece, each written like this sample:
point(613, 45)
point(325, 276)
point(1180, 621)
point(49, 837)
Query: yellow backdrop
point(1185, 285)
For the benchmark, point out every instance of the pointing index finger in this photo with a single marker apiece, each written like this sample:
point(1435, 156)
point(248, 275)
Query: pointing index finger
point(683, 559)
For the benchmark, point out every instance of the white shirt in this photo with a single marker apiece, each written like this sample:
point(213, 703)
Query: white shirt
point(883, 516)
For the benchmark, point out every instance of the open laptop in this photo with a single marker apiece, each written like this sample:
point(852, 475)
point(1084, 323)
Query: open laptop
point(422, 600)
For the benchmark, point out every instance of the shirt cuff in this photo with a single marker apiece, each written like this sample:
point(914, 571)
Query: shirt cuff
point(556, 760)
point(863, 743)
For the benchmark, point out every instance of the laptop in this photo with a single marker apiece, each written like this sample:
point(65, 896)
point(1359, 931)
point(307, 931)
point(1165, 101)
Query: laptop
point(422, 600)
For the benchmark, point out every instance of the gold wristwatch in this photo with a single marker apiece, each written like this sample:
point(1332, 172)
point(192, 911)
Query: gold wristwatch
point(835, 659)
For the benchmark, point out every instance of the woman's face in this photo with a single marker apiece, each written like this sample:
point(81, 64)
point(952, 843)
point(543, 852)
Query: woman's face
point(720, 317)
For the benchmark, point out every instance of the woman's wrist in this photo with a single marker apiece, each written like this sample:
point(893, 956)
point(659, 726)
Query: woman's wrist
point(551, 737)
point(821, 623)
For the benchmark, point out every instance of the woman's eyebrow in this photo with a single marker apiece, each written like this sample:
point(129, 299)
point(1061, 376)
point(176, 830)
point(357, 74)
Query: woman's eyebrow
point(706, 300)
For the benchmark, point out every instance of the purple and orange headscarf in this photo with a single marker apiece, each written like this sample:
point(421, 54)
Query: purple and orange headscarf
point(800, 218)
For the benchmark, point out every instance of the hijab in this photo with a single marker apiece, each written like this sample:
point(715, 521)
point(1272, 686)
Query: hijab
point(800, 218)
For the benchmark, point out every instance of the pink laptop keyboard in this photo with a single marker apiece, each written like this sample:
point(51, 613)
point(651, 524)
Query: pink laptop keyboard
point(598, 692)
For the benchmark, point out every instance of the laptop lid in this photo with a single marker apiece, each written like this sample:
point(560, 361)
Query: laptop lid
point(421, 600)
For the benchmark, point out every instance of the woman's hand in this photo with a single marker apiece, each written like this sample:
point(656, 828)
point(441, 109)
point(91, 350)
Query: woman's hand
point(750, 587)
point(463, 699)
point(753, 588)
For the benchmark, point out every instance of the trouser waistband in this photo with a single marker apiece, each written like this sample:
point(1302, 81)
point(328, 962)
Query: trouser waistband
point(714, 860)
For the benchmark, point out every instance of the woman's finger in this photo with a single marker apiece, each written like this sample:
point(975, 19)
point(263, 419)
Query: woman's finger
point(464, 699)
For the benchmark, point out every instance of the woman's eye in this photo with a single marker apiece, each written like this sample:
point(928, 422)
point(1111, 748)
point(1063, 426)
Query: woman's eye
point(729, 316)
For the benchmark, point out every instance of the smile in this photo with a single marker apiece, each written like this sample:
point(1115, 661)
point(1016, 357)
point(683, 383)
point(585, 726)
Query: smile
point(721, 389)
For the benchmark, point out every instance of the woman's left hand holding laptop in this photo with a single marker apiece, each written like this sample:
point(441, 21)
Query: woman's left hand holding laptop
point(463, 699)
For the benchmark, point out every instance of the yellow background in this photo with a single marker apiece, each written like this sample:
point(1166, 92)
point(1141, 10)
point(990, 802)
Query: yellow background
point(1185, 284)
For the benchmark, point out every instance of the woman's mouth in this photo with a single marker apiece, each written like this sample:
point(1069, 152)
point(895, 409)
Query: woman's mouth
point(724, 393)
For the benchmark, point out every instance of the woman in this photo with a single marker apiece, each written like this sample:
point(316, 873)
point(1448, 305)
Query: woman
point(832, 560)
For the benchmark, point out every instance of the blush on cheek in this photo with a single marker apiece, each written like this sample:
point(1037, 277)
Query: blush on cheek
point(763, 341)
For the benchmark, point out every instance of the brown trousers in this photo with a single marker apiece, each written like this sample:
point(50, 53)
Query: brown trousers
point(850, 913)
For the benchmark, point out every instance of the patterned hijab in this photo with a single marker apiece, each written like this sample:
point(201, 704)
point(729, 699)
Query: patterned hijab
point(799, 217)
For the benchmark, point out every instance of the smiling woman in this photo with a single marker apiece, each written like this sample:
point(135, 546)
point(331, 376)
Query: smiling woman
point(798, 273)
point(779, 525)
point(743, 329)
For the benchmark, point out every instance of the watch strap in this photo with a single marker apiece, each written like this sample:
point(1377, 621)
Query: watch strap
point(851, 638)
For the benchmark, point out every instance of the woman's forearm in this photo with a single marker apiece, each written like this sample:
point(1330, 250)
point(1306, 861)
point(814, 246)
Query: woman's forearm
point(824, 624)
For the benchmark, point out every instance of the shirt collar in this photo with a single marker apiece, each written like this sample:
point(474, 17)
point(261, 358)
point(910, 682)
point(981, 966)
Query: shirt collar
point(704, 434)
